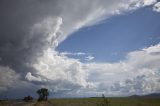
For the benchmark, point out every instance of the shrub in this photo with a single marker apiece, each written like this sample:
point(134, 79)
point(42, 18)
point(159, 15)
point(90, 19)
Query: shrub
point(28, 99)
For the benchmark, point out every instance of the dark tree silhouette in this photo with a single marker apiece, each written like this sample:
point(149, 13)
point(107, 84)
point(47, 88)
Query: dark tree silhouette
point(104, 102)
point(43, 94)
point(28, 99)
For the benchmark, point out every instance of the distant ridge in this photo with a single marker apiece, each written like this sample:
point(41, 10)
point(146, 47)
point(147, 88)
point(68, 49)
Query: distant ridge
point(153, 95)
point(157, 95)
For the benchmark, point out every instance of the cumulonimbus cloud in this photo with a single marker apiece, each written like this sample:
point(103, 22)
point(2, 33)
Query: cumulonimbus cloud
point(31, 30)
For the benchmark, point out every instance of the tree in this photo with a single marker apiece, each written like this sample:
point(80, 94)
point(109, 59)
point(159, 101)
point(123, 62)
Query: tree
point(28, 99)
point(104, 102)
point(43, 94)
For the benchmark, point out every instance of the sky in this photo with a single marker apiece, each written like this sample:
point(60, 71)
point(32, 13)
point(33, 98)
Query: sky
point(111, 40)
point(79, 48)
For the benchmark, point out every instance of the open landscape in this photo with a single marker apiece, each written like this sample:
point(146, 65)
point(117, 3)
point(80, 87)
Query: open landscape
point(126, 101)
point(115, 101)
point(79, 52)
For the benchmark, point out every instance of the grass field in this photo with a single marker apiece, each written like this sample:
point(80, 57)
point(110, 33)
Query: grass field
point(129, 101)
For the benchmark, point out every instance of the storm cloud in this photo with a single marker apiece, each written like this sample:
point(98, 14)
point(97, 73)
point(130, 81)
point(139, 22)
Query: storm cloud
point(31, 30)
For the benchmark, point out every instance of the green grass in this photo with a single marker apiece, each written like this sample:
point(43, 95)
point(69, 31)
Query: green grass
point(14, 103)
point(128, 101)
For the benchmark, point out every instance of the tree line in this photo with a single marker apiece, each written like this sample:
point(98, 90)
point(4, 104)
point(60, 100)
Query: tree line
point(43, 95)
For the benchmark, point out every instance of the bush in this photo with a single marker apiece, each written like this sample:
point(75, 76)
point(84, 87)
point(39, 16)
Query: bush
point(28, 99)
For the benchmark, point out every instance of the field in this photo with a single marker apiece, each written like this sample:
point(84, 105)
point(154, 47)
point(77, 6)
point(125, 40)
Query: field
point(127, 101)
point(139, 101)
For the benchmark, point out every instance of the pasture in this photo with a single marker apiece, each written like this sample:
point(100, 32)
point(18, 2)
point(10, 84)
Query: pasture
point(126, 101)
point(116, 101)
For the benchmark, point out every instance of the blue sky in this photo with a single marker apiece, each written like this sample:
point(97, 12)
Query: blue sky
point(113, 38)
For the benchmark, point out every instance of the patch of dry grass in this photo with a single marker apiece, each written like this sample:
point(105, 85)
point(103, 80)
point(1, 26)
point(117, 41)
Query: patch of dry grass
point(128, 101)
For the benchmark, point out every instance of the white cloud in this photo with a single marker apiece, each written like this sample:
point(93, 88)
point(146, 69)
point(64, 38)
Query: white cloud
point(50, 29)
point(86, 13)
point(156, 7)
point(30, 77)
point(152, 49)
point(53, 67)
point(89, 58)
point(149, 2)
point(80, 53)
point(138, 73)
point(72, 54)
